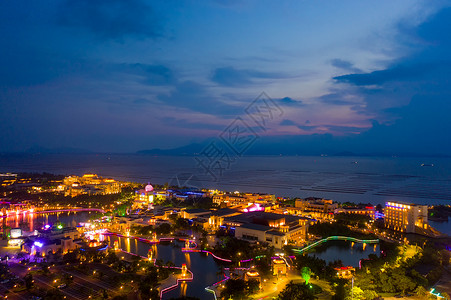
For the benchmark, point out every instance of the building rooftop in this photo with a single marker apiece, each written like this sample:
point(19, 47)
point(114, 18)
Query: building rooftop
point(275, 232)
point(256, 227)
point(196, 211)
point(224, 212)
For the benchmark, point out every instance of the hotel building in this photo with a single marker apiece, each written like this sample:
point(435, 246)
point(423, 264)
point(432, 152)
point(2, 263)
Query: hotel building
point(235, 199)
point(405, 217)
point(90, 184)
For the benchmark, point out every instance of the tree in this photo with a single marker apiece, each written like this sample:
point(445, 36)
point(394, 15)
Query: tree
point(148, 285)
point(401, 281)
point(305, 273)
point(164, 228)
point(340, 291)
point(235, 289)
point(296, 291)
point(420, 291)
point(356, 293)
point(253, 286)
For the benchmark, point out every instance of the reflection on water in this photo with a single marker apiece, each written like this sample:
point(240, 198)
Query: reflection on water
point(348, 252)
point(204, 267)
point(29, 222)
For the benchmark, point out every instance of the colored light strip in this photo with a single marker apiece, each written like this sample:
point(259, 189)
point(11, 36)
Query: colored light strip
point(211, 291)
point(335, 238)
point(215, 284)
point(177, 282)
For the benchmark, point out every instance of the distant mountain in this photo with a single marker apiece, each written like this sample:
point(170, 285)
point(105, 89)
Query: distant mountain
point(190, 149)
point(314, 145)
point(61, 150)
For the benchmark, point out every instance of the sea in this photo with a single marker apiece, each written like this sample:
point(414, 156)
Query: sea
point(372, 180)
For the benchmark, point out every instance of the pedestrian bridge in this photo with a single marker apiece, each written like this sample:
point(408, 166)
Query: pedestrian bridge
point(334, 238)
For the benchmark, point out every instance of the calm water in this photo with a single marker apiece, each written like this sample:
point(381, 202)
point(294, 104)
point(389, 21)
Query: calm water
point(203, 267)
point(30, 222)
point(358, 179)
point(443, 227)
point(344, 251)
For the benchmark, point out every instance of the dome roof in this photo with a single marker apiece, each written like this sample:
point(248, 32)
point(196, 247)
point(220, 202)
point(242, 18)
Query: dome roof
point(149, 188)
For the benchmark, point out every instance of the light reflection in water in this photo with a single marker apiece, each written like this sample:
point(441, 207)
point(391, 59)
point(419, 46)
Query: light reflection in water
point(29, 222)
point(183, 286)
point(127, 245)
point(188, 260)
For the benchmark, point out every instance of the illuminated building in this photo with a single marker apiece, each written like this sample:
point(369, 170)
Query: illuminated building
point(216, 218)
point(275, 229)
point(405, 217)
point(235, 199)
point(364, 210)
point(345, 272)
point(279, 267)
point(144, 198)
point(89, 184)
point(316, 205)
point(44, 246)
point(252, 274)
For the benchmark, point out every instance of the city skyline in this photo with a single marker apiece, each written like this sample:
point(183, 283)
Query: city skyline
point(127, 76)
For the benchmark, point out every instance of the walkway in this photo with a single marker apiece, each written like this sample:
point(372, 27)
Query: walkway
point(335, 238)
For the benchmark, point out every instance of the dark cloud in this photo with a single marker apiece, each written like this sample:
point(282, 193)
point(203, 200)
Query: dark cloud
point(396, 73)
point(111, 19)
point(287, 122)
point(345, 65)
point(305, 126)
point(229, 76)
point(414, 89)
point(289, 101)
point(423, 128)
point(152, 74)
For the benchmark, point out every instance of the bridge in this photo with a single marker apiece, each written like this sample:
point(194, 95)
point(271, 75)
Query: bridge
point(334, 238)
point(48, 211)
point(68, 210)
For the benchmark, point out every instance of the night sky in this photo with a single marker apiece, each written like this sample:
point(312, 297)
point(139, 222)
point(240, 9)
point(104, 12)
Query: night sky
point(126, 75)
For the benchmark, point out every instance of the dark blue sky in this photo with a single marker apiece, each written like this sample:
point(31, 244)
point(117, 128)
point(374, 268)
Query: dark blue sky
point(121, 75)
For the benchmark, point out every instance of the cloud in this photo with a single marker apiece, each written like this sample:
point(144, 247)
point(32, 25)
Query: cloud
point(414, 90)
point(289, 101)
point(287, 122)
point(152, 74)
point(395, 73)
point(345, 65)
point(229, 76)
point(110, 19)
point(196, 97)
point(304, 127)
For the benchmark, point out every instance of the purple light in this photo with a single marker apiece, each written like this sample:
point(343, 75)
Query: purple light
point(254, 207)
point(38, 244)
point(47, 226)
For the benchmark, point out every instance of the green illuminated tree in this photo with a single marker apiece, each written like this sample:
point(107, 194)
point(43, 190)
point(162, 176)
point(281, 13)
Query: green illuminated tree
point(306, 273)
